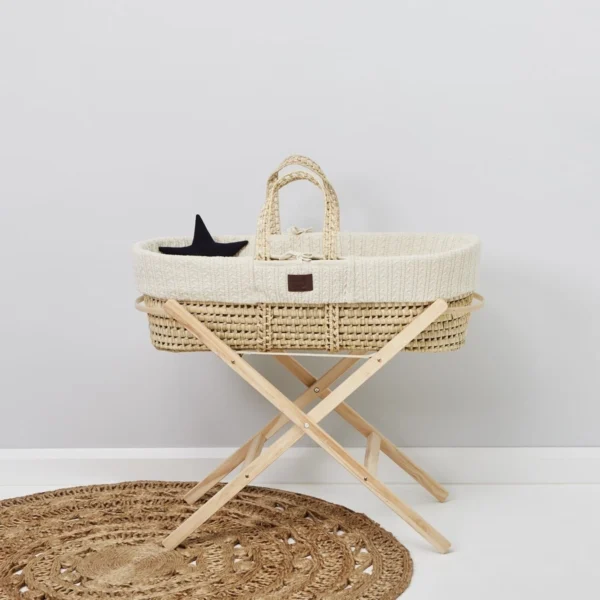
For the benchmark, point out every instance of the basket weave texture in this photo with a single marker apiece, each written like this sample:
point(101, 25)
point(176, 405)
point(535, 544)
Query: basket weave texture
point(367, 287)
point(331, 327)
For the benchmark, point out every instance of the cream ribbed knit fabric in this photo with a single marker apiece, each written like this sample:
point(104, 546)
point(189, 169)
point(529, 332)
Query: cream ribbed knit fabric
point(384, 267)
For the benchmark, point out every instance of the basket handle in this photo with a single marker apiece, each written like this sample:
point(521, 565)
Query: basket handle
point(301, 161)
point(458, 311)
point(268, 222)
point(140, 306)
point(295, 160)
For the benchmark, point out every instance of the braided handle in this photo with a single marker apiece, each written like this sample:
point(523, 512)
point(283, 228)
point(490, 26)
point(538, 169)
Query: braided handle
point(301, 161)
point(266, 223)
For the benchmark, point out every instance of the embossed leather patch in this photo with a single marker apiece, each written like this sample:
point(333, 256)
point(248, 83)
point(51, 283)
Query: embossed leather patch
point(300, 283)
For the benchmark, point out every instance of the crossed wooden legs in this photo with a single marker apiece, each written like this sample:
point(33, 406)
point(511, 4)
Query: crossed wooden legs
point(376, 441)
point(307, 424)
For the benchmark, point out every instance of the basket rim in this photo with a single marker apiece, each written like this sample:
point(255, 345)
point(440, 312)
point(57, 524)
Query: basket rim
point(454, 311)
point(470, 242)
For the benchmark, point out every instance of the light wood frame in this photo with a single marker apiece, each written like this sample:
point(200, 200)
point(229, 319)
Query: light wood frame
point(256, 458)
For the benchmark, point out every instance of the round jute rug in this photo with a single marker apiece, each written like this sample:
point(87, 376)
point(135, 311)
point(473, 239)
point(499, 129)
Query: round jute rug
point(101, 542)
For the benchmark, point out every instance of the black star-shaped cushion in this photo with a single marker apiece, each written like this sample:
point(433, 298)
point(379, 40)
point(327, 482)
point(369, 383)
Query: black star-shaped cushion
point(204, 245)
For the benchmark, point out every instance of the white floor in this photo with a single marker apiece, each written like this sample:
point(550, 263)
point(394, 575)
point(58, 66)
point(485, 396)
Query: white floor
point(509, 542)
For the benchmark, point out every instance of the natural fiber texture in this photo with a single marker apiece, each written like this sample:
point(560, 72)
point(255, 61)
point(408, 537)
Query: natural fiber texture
point(364, 288)
point(269, 219)
point(333, 327)
point(311, 165)
point(101, 542)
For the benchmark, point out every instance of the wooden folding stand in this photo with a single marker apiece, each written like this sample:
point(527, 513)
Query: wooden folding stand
point(256, 459)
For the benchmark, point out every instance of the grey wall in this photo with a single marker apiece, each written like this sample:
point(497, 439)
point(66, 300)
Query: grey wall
point(120, 120)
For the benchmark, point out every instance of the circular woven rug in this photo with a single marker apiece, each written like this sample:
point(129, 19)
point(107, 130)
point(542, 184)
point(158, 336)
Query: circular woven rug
point(101, 542)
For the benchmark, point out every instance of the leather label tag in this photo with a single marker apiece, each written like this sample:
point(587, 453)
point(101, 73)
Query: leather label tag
point(300, 283)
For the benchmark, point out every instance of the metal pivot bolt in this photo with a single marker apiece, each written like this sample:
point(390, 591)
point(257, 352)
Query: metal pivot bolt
point(317, 390)
point(306, 425)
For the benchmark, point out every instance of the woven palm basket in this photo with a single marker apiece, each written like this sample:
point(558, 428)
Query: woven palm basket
point(327, 291)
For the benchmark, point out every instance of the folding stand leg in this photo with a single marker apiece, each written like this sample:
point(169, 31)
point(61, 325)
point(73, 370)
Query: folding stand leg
point(363, 426)
point(306, 423)
point(236, 459)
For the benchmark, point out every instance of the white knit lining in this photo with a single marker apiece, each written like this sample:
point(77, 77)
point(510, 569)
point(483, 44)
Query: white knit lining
point(375, 267)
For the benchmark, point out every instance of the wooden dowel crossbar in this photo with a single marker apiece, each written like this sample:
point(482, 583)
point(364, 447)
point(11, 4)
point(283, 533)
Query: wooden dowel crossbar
point(354, 418)
point(236, 459)
point(255, 449)
point(305, 424)
point(372, 453)
point(359, 423)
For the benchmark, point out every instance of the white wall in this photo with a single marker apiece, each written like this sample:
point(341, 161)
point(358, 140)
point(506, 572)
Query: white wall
point(120, 120)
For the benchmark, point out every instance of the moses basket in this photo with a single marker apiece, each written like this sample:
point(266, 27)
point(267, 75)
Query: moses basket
point(329, 291)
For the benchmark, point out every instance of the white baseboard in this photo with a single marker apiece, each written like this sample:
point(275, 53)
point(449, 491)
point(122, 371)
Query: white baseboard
point(298, 465)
